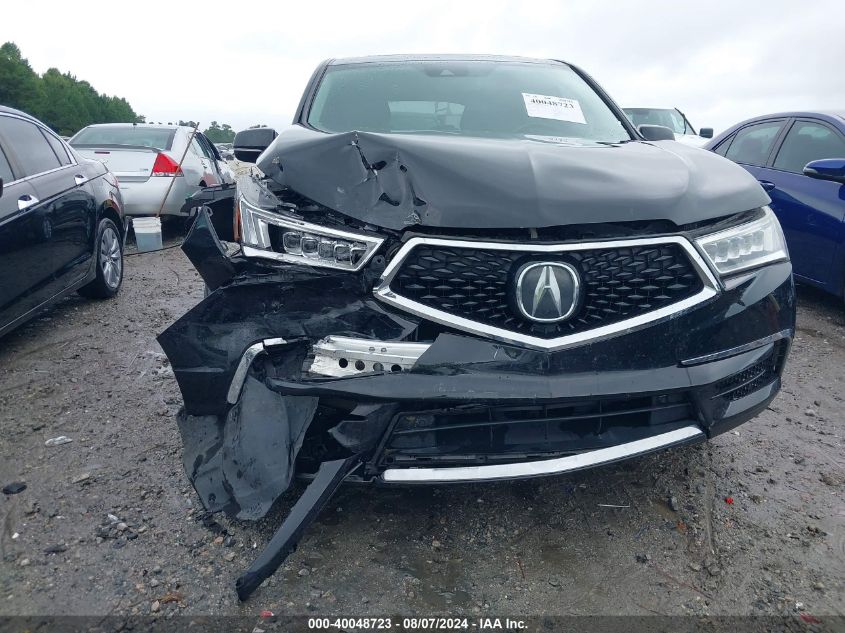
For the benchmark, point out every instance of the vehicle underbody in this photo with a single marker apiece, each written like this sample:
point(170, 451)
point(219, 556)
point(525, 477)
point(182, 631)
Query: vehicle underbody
point(335, 375)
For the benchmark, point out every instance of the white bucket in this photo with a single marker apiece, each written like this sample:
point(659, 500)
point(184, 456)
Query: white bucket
point(147, 234)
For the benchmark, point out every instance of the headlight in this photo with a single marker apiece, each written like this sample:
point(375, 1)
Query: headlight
point(272, 236)
point(745, 246)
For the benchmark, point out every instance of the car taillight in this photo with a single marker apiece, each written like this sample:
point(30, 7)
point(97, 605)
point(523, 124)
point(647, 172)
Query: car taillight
point(166, 166)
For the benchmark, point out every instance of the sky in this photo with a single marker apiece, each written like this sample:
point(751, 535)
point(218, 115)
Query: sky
point(246, 63)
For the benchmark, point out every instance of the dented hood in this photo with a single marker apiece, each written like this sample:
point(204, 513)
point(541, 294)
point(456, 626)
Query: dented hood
point(400, 180)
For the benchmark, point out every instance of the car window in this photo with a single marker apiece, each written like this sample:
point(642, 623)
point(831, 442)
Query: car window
point(806, 142)
point(211, 147)
point(32, 150)
point(206, 150)
point(5, 170)
point(58, 147)
point(197, 148)
point(752, 144)
point(464, 97)
point(688, 128)
point(406, 116)
point(722, 149)
point(672, 119)
point(139, 135)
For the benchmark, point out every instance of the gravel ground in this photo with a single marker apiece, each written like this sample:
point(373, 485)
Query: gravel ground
point(93, 372)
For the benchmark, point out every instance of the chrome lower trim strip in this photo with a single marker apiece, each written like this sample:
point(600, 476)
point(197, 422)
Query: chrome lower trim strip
point(385, 294)
point(735, 351)
point(544, 467)
point(340, 356)
point(249, 355)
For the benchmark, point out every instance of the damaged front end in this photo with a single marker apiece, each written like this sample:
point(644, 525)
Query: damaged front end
point(269, 318)
point(343, 345)
point(262, 322)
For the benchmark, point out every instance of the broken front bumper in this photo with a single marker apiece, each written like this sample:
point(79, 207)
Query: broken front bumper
point(295, 370)
point(284, 369)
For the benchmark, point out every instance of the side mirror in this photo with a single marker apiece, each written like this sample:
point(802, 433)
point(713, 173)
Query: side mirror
point(826, 169)
point(656, 133)
point(250, 143)
point(705, 132)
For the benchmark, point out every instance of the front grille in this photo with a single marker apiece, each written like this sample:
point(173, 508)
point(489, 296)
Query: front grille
point(498, 434)
point(478, 284)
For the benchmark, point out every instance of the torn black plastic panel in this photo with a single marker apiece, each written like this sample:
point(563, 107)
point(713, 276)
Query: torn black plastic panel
point(399, 180)
point(362, 429)
point(242, 462)
point(206, 252)
point(294, 303)
point(219, 200)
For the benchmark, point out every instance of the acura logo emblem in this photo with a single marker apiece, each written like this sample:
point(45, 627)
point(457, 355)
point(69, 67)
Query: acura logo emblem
point(547, 292)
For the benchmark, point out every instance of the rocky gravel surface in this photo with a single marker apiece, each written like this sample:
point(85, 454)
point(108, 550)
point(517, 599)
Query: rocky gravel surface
point(107, 523)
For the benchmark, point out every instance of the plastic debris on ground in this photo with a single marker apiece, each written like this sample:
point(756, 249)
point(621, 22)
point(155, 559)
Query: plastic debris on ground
point(14, 488)
point(57, 441)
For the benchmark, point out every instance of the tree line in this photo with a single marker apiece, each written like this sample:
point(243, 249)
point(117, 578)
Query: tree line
point(58, 99)
point(67, 104)
point(216, 133)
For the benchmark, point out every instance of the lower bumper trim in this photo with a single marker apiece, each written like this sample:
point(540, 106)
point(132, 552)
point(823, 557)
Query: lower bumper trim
point(543, 467)
point(736, 351)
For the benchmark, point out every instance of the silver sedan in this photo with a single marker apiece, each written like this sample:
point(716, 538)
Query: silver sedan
point(146, 160)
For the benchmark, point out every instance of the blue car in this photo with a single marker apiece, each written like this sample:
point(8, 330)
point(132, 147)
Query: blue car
point(799, 159)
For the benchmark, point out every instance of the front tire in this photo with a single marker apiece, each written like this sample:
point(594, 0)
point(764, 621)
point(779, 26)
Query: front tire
point(109, 263)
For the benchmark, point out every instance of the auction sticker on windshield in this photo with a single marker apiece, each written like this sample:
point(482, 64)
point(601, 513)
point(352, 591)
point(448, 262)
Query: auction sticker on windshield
point(559, 108)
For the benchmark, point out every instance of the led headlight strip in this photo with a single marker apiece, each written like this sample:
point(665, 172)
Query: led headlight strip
point(745, 246)
point(303, 242)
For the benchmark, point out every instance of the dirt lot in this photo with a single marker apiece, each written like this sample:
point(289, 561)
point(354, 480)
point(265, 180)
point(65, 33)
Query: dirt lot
point(93, 372)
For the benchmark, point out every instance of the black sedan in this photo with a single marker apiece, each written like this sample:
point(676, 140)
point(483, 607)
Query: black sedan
point(61, 222)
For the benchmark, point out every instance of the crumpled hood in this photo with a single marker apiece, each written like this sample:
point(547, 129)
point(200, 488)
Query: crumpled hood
point(400, 180)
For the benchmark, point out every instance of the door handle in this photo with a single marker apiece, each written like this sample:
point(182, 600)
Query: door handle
point(26, 201)
point(768, 186)
point(79, 179)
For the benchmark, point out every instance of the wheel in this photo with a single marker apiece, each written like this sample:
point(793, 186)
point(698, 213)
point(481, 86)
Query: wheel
point(109, 263)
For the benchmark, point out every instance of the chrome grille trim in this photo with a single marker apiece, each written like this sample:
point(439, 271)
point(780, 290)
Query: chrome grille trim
point(383, 292)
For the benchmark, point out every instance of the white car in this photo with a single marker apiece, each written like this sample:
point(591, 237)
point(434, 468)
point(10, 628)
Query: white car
point(145, 158)
point(672, 118)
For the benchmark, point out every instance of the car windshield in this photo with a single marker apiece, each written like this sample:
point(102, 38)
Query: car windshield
point(468, 98)
point(667, 117)
point(138, 135)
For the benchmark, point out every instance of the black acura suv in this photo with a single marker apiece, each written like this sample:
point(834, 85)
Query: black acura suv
point(454, 269)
